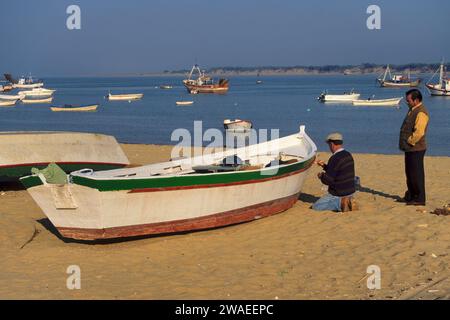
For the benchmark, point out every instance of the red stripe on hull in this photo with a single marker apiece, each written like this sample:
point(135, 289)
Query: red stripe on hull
point(211, 221)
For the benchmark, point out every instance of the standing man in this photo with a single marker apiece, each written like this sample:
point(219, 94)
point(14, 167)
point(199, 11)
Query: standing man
point(413, 143)
point(339, 176)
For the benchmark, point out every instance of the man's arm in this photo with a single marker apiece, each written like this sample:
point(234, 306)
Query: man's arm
point(419, 128)
point(329, 175)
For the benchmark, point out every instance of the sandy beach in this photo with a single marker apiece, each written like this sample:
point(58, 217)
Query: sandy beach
point(297, 254)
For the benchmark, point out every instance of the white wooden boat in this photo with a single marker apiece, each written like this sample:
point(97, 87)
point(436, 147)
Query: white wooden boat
point(184, 103)
point(378, 102)
point(8, 103)
point(180, 195)
point(442, 88)
point(21, 151)
point(37, 92)
point(346, 97)
point(118, 97)
point(71, 108)
point(398, 80)
point(32, 101)
point(237, 124)
point(11, 97)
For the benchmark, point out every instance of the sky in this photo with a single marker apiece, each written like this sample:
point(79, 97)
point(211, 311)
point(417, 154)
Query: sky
point(138, 36)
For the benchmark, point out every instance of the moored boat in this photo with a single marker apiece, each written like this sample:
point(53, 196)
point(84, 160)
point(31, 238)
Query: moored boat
point(442, 88)
point(37, 92)
point(184, 103)
point(208, 191)
point(378, 102)
point(8, 103)
point(6, 88)
point(13, 97)
point(165, 86)
point(397, 81)
point(32, 101)
point(204, 83)
point(72, 108)
point(346, 97)
point(237, 124)
point(22, 151)
point(24, 83)
point(119, 97)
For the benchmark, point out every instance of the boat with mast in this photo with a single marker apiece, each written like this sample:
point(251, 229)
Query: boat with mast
point(442, 88)
point(203, 83)
point(24, 83)
point(397, 80)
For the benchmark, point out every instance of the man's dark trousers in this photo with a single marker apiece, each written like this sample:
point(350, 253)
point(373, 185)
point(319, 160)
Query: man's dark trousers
point(415, 175)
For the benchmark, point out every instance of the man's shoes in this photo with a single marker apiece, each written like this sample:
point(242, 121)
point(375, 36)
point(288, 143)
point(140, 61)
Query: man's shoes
point(415, 203)
point(348, 204)
point(407, 198)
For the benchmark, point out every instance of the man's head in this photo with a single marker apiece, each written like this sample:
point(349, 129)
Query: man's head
point(413, 97)
point(335, 141)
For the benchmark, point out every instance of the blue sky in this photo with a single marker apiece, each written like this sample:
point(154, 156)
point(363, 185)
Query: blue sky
point(149, 36)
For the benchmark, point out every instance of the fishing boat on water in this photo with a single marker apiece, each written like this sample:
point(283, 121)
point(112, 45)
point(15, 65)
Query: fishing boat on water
point(32, 101)
point(22, 151)
point(204, 83)
point(347, 97)
point(72, 108)
point(37, 92)
point(378, 102)
point(127, 97)
point(24, 83)
point(8, 103)
point(208, 191)
point(237, 124)
point(184, 103)
point(397, 81)
point(11, 97)
point(442, 88)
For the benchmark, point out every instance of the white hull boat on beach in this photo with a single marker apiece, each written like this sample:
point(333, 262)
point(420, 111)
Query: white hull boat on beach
point(37, 92)
point(22, 151)
point(442, 88)
point(346, 97)
point(237, 124)
point(32, 101)
point(181, 195)
point(380, 102)
point(126, 97)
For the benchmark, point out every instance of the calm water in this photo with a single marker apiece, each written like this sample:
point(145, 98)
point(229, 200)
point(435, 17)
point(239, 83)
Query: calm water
point(280, 102)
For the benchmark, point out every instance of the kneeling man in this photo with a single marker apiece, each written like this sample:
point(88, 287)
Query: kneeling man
point(339, 176)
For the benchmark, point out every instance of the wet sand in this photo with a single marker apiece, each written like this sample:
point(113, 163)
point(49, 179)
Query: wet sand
point(297, 254)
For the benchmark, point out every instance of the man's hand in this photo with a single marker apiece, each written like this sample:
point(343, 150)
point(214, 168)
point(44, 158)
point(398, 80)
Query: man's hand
point(320, 163)
point(319, 175)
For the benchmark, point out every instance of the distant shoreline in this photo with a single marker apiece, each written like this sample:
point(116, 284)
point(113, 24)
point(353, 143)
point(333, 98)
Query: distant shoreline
point(369, 69)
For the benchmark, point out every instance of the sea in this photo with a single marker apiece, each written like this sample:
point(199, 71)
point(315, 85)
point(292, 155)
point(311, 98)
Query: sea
point(280, 102)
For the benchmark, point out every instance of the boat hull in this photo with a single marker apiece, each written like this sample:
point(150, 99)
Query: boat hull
point(137, 212)
point(22, 151)
point(125, 97)
point(74, 109)
point(436, 90)
point(214, 88)
point(28, 86)
point(389, 84)
point(237, 125)
point(378, 103)
point(33, 101)
point(339, 98)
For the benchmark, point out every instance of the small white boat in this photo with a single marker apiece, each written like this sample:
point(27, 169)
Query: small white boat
point(442, 88)
point(71, 108)
point(11, 97)
point(31, 101)
point(165, 86)
point(237, 124)
point(8, 103)
point(378, 102)
point(206, 191)
point(37, 92)
point(118, 97)
point(346, 97)
point(184, 103)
